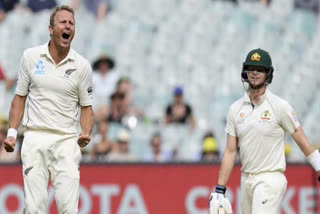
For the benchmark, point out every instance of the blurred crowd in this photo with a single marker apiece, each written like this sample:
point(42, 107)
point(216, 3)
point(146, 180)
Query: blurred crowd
point(116, 111)
point(98, 8)
point(114, 107)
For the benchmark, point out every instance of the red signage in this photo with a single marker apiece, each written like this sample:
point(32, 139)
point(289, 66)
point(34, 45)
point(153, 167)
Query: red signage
point(159, 189)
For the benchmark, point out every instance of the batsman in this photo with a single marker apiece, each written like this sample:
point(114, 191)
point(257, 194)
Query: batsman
point(256, 126)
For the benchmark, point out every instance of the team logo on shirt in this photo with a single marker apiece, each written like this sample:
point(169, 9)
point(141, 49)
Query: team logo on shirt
point(266, 115)
point(39, 68)
point(68, 72)
point(89, 90)
point(241, 119)
point(293, 115)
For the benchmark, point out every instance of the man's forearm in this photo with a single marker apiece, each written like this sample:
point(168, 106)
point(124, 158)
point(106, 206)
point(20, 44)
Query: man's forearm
point(16, 111)
point(301, 140)
point(226, 167)
point(86, 119)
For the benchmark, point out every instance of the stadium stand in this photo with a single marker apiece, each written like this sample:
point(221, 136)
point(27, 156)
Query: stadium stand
point(192, 43)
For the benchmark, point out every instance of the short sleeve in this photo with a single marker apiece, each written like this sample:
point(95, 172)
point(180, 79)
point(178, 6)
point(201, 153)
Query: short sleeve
point(230, 126)
point(288, 118)
point(23, 78)
point(85, 86)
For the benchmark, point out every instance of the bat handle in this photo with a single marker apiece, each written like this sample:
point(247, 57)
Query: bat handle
point(221, 210)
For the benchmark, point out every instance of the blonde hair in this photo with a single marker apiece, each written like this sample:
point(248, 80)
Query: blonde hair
point(63, 7)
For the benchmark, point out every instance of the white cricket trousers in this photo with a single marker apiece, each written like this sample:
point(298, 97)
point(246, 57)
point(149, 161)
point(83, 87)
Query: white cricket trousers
point(47, 155)
point(262, 193)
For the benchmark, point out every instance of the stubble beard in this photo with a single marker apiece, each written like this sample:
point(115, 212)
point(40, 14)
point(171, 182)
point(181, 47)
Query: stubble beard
point(253, 87)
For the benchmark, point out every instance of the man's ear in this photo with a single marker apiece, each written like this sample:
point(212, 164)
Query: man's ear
point(50, 29)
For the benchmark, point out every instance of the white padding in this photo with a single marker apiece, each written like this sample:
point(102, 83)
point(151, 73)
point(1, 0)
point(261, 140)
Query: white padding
point(12, 133)
point(314, 160)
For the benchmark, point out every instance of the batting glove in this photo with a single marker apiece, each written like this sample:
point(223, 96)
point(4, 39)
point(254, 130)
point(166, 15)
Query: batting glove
point(217, 200)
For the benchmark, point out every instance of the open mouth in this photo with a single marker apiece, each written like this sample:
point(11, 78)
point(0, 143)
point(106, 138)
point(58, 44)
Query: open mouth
point(65, 35)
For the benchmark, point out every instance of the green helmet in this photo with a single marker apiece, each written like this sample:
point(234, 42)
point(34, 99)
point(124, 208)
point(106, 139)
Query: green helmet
point(261, 58)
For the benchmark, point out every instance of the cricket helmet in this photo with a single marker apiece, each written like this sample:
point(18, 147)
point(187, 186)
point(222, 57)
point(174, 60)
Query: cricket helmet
point(260, 58)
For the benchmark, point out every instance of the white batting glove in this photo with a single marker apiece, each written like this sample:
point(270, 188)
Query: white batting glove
point(217, 200)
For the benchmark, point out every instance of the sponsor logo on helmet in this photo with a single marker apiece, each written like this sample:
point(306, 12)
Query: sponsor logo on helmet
point(255, 57)
point(266, 115)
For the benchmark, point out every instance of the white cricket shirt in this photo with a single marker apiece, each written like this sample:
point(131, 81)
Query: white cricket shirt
point(54, 92)
point(261, 131)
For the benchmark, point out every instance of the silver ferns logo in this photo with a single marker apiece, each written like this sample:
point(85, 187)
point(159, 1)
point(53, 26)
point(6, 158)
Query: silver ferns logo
point(89, 90)
point(69, 72)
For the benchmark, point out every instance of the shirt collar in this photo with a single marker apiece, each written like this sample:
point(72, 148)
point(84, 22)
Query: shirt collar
point(45, 52)
point(263, 97)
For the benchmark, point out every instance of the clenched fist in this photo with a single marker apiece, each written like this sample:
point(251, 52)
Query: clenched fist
point(9, 144)
point(83, 140)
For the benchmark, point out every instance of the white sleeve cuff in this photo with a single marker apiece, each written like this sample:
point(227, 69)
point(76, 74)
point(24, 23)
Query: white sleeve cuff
point(314, 160)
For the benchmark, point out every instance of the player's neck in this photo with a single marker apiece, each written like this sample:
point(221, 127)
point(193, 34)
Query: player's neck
point(256, 94)
point(57, 54)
